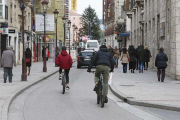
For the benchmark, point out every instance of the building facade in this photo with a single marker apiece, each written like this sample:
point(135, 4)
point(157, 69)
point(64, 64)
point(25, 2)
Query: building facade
point(75, 25)
point(155, 24)
point(112, 17)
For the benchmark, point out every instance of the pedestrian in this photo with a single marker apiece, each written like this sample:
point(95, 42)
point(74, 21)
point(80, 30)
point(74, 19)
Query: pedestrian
point(141, 54)
point(161, 64)
point(8, 59)
point(116, 56)
point(28, 60)
point(111, 50)
point(47, 52)
point(64, 61)
point(147, 58)
point(124, 59)
point(43, 51)
point(132, 62)
point(57, 51)
point(137, 57)
point(129, 50)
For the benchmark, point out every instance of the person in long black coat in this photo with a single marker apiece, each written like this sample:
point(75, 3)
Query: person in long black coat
point(43, 50)
point(132, 62)
point(137, 57)
point(28, 56)
point(141, 54)
point(146, 58)
point(161, 64)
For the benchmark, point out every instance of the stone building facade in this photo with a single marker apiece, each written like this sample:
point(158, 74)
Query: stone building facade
point(112, 15)
point(155, 23)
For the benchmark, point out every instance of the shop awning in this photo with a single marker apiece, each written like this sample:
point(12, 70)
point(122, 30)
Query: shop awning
point(124, 34)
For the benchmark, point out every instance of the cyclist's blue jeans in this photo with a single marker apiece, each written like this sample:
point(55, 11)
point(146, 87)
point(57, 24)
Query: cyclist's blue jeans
point(141, 66)
point(105, 72)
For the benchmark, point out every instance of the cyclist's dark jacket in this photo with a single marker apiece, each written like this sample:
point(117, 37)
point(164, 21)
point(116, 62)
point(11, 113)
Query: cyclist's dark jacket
point(103, 57)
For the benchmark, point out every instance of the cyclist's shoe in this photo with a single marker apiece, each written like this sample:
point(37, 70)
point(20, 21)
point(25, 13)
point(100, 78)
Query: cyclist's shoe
point(60, 77)
point(96, 87)
point(67, 88)
point(106, 99)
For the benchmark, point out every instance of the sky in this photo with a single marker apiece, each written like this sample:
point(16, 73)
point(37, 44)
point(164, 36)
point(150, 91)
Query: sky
point(96, 4)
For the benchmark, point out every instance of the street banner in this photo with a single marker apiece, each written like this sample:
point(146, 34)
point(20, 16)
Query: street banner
point(84, 38)
point(40, 23)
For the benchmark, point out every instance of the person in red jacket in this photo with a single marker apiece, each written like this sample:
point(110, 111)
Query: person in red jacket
point(64, 61)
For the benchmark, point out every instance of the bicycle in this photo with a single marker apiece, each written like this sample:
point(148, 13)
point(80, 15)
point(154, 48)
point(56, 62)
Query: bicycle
point(63, 81)
point(101, 90)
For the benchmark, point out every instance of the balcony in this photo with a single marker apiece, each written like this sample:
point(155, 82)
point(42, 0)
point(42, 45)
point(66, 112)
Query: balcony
point(140, 3)
point(129, 14)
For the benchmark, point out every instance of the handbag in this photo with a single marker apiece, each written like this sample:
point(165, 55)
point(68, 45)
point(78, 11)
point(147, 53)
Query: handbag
point(28, 60)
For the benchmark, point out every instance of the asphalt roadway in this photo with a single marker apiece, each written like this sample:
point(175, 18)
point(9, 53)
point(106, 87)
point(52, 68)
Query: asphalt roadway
point(45, 101)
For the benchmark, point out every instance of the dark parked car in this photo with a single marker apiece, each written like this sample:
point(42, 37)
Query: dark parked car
point(84, 58)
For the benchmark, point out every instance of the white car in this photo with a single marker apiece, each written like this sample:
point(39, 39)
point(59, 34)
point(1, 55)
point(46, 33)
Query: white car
point(92, 45)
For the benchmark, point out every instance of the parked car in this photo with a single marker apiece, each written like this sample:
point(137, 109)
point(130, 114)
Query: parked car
point(84, 58)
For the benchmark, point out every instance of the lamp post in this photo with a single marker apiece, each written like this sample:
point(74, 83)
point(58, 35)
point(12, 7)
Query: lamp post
point(44, 5)
point(56, 17)
point(23, 76)
point(69, 24)
point(76, 29)
point(64, 21)
point(89, 29)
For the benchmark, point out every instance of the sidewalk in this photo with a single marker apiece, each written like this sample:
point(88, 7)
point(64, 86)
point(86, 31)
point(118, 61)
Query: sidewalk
point(8, 91)
point(145, 90)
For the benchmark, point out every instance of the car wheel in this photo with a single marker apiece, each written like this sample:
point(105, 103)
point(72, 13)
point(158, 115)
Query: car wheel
point(78, 66)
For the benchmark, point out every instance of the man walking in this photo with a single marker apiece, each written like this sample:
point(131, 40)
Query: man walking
point(8, 59)
point(111, 50)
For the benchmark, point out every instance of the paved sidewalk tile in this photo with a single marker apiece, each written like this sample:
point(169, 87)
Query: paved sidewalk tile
point(7, 89)
point(144, 87)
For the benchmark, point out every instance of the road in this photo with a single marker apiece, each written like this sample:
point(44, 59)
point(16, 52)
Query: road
point(45, 101)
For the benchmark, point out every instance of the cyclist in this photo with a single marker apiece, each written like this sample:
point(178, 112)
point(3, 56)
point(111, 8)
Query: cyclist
point(105, 63)
point(64, 61)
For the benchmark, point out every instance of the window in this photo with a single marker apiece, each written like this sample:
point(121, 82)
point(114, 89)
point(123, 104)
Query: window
point(74, 18)
point(6, 12)
point(11, 20)
point(0, 1)
point(92, 44)
point(1, 11)
point(149, 25)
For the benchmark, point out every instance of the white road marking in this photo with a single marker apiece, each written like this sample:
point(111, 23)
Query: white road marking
point(135, 111)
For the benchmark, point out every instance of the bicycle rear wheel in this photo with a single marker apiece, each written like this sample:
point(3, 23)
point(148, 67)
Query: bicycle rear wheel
point(98, 95)
point(64, 84)
point(102, 95)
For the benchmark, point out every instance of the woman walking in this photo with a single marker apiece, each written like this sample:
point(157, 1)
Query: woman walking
point(160, 63)
point(124, 58)
point(28, 60)
point(132, 62)
point(116, 56)
point(146, 58)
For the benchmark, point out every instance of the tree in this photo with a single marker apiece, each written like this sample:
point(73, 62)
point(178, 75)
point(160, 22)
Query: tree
point(89, 16)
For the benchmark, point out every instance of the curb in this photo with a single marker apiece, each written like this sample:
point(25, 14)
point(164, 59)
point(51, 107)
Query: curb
point(7, 104)
point(145, 104)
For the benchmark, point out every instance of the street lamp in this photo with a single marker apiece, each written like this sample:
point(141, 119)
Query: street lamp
point(44, 6)
point(64, 21)
point(69, 24)
point(89, 29)
point(56, 17)
point(24, 69)
point(76, 29)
